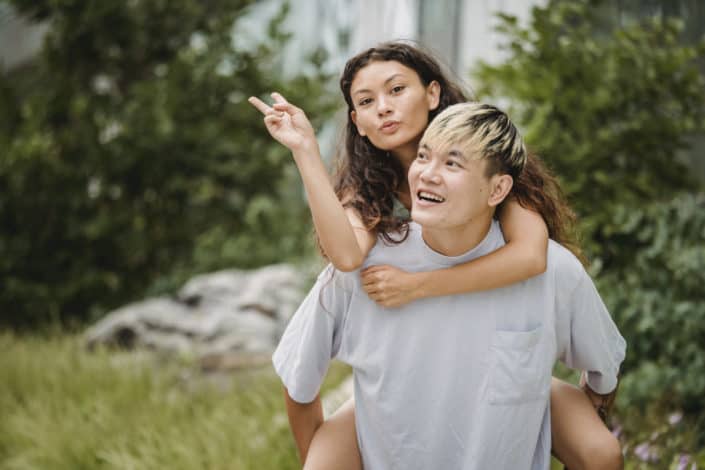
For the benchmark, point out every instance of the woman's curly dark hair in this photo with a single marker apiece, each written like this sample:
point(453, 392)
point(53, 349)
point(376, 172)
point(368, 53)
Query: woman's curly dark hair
point(367, 177)
point(537, 189)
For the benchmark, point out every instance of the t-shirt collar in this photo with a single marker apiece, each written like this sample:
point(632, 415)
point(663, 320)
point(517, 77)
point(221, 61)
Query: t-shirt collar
point(487, 245)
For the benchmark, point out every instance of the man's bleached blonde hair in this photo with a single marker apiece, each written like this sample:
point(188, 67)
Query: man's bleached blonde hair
point(481, 131)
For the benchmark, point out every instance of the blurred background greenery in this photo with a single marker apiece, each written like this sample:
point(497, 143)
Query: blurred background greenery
point(130, 160)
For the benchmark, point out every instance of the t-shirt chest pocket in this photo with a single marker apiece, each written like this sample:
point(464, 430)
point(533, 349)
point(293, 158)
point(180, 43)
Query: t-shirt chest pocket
point(519, 370)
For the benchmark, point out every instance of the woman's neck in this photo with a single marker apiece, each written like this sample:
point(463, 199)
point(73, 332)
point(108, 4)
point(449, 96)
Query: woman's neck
point(403, 194)
point(405, 155)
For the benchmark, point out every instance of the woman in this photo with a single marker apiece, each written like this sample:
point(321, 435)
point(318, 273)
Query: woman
point(393, 91)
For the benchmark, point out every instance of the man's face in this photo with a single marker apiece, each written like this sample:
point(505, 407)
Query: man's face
point(449, 189)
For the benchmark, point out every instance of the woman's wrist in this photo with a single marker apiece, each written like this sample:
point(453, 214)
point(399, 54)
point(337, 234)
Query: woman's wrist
point(306, 151)
point(419, 282)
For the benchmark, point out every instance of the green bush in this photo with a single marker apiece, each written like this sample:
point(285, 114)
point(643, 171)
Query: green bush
point(130, 155)
point(655, 292)
point(609, 109)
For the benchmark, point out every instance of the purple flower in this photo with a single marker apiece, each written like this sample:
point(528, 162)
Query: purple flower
point(645, 452)
point(683, 461)
point(675, 418)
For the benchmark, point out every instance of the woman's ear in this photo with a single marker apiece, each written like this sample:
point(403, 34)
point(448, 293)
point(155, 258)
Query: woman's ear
point(433, 95)
point(500, 186)
point(353, 118)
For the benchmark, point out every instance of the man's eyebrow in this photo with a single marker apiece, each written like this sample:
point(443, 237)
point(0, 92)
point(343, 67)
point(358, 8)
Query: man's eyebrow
point(457, 153)
point(365, 90)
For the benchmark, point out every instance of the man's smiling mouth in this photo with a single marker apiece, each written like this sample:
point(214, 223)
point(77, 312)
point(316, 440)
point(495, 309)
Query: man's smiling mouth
point(430, 197)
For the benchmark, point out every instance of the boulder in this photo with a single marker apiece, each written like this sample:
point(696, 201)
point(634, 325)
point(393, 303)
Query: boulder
point(227, 319)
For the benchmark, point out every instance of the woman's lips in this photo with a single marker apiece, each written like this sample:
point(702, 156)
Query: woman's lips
point(389, 127)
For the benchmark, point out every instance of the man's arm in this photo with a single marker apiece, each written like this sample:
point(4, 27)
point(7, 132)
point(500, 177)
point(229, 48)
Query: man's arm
point(589, 340)
point(304, 420)
point(311, 339)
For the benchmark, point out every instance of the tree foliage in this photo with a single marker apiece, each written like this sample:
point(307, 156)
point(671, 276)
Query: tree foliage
point(655, 293)
point(611, 109)
point(136, 155)
point(608, 109)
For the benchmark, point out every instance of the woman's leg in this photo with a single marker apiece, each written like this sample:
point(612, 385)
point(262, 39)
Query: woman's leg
point(580, 439)
point(334, 446)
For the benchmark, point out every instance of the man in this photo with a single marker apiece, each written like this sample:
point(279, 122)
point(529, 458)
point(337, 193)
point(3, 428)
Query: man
point(458, 382)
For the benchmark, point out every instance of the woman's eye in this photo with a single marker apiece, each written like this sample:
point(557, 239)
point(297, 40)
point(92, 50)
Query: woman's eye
point(398, 88)
point(421, 156)
point(453, 163)
point(364, 101)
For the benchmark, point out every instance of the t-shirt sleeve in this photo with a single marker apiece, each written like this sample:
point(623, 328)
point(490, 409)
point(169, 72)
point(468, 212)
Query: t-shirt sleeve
point(312, 337)
point(589, 339)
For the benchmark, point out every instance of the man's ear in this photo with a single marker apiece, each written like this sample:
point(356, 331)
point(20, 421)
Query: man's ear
point(433, 95)
point(353, 118)
point(500, 186)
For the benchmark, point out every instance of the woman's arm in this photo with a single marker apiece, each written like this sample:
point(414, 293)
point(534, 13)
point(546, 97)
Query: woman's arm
point(522, 257)
point(341, 232)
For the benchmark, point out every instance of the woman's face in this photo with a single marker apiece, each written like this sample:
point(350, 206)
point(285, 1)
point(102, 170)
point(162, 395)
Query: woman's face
point(392, 105)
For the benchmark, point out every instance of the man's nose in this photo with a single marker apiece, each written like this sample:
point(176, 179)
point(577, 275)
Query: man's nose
point(430, 174)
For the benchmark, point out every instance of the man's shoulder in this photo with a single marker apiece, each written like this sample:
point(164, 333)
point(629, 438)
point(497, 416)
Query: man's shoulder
point(399, 250)
point(563, 265)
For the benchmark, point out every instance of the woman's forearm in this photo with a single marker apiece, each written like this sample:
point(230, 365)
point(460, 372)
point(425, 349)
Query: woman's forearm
point(344, 245)
point(523, 256)
point(505, 266)
point(338, 238)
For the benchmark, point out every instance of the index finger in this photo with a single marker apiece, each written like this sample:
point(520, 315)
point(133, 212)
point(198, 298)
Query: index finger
point(278, 98)
point(263, 107)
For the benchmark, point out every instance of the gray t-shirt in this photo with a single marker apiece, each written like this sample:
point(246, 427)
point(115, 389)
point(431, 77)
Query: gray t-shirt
point(455, 382)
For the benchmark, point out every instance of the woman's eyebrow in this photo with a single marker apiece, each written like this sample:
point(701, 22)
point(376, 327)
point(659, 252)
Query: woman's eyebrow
point(365, 90)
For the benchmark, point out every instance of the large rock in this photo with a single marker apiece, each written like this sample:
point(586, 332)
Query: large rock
point(228, 319)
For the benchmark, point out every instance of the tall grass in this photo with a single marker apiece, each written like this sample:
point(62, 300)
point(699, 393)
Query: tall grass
point(63, 408)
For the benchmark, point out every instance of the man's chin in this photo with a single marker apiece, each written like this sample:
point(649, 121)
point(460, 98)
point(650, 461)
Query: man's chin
point(423, 218)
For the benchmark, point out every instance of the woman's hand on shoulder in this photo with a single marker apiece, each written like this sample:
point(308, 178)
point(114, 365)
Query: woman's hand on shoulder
point(287, 123)
point(389, 286)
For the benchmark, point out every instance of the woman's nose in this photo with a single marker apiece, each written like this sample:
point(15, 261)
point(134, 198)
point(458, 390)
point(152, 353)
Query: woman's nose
point(383, 106)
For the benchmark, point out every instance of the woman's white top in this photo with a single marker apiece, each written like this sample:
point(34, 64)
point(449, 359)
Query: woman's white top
point(455, 382)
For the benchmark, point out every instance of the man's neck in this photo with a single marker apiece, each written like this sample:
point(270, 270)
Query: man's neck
point(459, 240)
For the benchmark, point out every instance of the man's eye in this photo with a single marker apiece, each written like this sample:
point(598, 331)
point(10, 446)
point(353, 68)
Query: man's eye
point(454, 164)
point(421, 156)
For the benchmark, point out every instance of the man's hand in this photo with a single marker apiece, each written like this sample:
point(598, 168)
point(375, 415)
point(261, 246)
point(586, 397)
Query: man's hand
point(602, 403)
